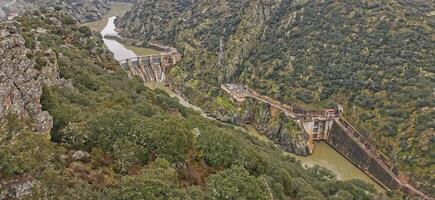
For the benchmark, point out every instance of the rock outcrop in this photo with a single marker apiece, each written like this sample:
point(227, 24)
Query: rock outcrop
point(81, 156)
point(278, 128)
point(20, 83)
point(17, 189)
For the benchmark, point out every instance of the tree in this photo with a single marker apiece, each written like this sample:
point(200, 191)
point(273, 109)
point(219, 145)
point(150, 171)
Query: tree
point(24, 153)
point(159, 181)
point(128, 153)
point(237, 183)
point(218, 148)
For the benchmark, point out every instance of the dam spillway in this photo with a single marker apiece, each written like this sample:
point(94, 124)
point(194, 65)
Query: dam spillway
point(330, 126)
point(358, 154)
point(151, 68)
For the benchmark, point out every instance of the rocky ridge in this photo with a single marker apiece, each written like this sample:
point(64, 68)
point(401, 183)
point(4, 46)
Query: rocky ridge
point(278, 128)
point(23, 74)
point(20, 83)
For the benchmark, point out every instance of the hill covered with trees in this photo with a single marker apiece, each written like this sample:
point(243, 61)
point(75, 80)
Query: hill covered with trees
point(83, 10)
point(113, 138)
point(375, 58)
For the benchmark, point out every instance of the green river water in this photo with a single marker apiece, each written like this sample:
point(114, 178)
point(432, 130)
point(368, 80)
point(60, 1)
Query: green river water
point(323, 154)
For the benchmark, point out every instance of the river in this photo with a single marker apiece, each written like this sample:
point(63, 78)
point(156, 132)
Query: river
point(119, 50)
point(323, 154)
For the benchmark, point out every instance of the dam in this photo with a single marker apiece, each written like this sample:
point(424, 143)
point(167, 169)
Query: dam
point(151, 68)
point(319, 125)
point(331, 127)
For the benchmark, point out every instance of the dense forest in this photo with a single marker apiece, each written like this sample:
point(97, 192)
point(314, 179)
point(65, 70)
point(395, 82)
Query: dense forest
point(82, 10)
point(375, 58)
point(114, 138)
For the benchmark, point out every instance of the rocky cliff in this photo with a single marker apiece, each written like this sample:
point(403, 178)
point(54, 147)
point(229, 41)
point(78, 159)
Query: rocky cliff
point(276, 126)
point(20, 83)
point(270, 122)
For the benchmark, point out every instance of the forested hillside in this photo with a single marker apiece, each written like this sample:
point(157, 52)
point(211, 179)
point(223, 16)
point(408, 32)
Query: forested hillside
point(113, 138)
point(83, 10)
point(375, 58)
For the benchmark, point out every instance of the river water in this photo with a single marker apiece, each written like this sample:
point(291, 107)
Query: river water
point(323, 154)
point(120, 51)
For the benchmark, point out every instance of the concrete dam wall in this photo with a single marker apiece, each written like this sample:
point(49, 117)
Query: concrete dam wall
point(151, 68)
point(329, 125)
point(347, 145)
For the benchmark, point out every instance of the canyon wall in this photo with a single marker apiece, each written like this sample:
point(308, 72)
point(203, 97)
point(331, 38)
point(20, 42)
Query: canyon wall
point(270, 122)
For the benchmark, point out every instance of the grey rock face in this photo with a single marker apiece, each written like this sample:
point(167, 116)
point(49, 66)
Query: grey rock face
point(20, 83)
point(81, 156)
point(17, 190)
point(279, 129)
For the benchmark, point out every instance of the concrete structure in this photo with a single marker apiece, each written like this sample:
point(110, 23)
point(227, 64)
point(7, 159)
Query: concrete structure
point(330, 126)
point(238, 93)
point(151, 67)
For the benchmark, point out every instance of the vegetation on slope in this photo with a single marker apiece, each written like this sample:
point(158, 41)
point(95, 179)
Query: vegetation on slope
point(374, 58)
point(142, 143)
point(83, 10)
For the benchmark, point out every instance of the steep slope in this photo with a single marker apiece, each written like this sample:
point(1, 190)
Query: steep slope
point(376, 59)
point(83, 10)
point(113, 138)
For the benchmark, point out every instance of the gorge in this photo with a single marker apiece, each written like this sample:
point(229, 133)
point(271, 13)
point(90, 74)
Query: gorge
point(217, 100)
point(375, 59)
point(323, 155)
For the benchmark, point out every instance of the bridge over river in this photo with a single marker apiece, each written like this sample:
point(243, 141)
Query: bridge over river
point(328, 125)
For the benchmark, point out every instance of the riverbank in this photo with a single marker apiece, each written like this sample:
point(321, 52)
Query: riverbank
point(323, 155)
point(118, 9)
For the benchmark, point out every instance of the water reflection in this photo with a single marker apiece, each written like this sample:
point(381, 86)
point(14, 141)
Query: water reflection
point(325, 156)
point(120, 51)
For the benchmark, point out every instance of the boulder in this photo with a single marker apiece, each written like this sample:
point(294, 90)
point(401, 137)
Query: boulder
point(81, 156)
point(17, 190)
